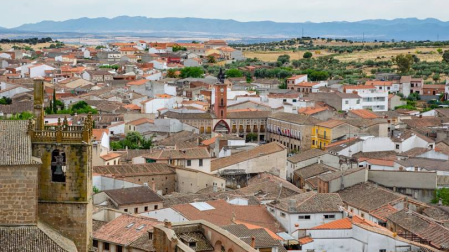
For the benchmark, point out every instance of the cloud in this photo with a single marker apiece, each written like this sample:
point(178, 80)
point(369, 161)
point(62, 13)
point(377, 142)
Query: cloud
point(19, 12)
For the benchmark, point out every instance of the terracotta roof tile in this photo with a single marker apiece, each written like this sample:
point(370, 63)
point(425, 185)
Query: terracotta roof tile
point(311, 110)
point(124, 229)
point(258, 151)
point(330, 123)
point(133, 195)
point(223, 213)
point(363, 113)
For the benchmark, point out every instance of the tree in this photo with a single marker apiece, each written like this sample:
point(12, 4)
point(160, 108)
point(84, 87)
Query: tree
point(284, 59)
point(446, 56)
point(54, 108)
point(5, 100)
point(192, 72)
point(440, 51)
point(307, 55)
point(22, 116)
point(133, 140)
point(177, 47)
point(442, 194)
point(233, 73)
point(171, 73)
point(404, 62)
point(251, 137)
point(211, 59)
point(436, 77)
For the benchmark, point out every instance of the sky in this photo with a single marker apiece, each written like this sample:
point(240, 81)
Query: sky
point(31, 11)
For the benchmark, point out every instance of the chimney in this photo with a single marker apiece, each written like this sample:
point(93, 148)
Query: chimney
point(154, 186)
point(253, 242)
point(292, 205)
point(406, 203)
point(319, 160)
point(167, 223)
point(416, 168)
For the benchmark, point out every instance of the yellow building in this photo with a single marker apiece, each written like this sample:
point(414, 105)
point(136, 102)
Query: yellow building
point(326, 132)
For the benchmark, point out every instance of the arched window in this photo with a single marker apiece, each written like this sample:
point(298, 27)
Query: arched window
point(58, 166)
point(222, 113)
point(222, 103)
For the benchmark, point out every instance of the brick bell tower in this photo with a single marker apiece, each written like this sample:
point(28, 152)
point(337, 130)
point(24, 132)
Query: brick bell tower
point(221, 100)
point(65, 176)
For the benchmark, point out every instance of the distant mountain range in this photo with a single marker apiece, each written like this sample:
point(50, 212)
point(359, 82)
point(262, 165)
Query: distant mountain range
point(398, 29)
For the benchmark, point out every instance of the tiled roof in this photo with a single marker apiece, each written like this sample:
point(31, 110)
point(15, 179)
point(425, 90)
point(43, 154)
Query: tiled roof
point(422, 227)
point(379, 83)
point(258, 151)
point(330, 123)
point(310, 202)
point(110, 156)
point(180, 137)
point(143, 243)
point(409, 133)
point(425, 163)
point(380, 162)
point(248, 114)
point(98, 133)
point(194, 153)
point(262, 238)
point(311, 110)
point(337, 224)
point(296, 77)
point(368, 197)
point(308, 154)
point(342, 144)
point(313, 170)
point(125, 229)
point(439, 213)
point(295, 118)
point(363, 113)
point(305, 240)
point(125, 170)
point(15, 143)
point(223, 214)
point(133, 195)
point(141, 121)
point(187, 116)
point(383, 212)
point(39, 237)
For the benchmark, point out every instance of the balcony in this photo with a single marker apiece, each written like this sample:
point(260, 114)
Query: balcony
point(321, 136)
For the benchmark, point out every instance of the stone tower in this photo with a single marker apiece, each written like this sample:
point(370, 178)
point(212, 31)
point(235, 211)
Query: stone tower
point(65, 176)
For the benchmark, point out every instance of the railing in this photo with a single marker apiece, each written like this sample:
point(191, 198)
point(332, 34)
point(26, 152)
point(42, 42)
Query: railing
point(321, 136)
point(60, 136)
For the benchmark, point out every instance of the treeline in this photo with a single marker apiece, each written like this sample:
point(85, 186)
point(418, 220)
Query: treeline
point(31, 41)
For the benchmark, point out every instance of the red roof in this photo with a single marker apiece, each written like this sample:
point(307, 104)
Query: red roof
point(311, 110)
point(305, 240)
point(125, 229)
point(137, 82)
point(98, 133)
point(379, 83)
point(363, 113)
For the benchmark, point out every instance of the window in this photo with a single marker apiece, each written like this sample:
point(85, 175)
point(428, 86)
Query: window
point(58, 166)
point(155, 207)
point(136, 210)
point(283, 215)
point(313, 142)
point(189, 162)
point(95, 244)
point(200, 162)
point(346, 102)
point(329, 216)
point(397, 146)
point(146, 208)
point(358, 101)
point(294, 100)
point(363, 215)
point(119, 248)
point(272, 210)
point(126, 210)
point(304, 217)
point(284, 100)
point(106, 246)
point(382, 250)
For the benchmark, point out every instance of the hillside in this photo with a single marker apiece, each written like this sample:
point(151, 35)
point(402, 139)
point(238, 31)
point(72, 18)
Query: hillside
point(399, 29)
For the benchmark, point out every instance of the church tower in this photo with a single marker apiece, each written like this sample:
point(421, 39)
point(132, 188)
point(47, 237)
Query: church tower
point(221, 100)
point(65, 176)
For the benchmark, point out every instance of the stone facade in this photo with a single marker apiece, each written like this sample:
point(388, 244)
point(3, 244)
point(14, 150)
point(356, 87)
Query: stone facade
point(65, 174)
point(18, 195)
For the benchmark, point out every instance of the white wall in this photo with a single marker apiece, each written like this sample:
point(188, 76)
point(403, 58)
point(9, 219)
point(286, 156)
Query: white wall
point(105, 183)
point(289, 221)
point(165, 214)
